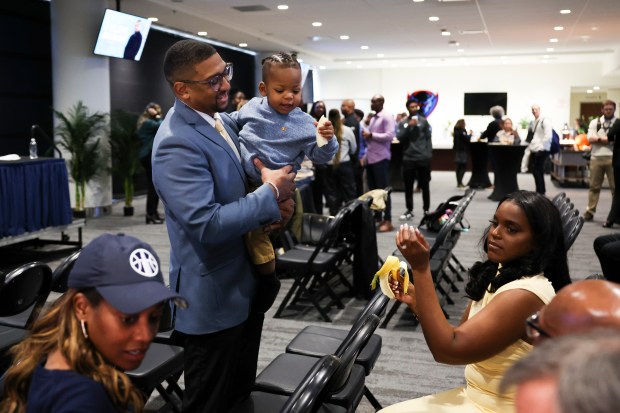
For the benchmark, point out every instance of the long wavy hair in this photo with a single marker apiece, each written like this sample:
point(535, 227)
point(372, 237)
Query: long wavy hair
point(548, 255)
point(60, 329)
point(146, 115)
point(334, 118)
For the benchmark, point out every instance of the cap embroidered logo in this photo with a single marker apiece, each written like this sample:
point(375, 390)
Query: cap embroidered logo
point(144, 263)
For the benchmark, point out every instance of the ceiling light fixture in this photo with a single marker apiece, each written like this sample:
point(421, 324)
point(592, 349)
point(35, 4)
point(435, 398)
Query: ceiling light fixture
point(380, 55)
point(317, 24)
point(364, 47)
point(418, 1)
point(565, 11)
point(589, 91)
point(282, 7)
point(553, 40)
point(596, 87)
point(550, 49)
point(460, 50)
point(153, 19)
point(434, 18)
point(444, 32)
point(344, 37)
point(348, 62)
point(359, 66)
point(202, 33)
point(558, 28)
point(243, 45)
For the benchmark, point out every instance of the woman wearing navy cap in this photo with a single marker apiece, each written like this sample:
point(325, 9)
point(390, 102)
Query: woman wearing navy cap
point(74, 358)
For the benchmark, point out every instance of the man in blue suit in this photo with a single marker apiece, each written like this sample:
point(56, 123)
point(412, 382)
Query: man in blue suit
point(199, 178)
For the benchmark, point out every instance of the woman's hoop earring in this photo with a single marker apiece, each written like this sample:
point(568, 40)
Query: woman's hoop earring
point(83, 324)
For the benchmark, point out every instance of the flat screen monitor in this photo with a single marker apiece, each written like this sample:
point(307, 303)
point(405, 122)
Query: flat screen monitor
point(480, 103)
point(122, 35)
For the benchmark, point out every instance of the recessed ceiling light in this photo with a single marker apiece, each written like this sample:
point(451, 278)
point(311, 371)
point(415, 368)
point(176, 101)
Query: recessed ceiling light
point(359, 66)
point(153, 19)
point(202, 33)
point(344, 37)
point(553, 40)
point(445, 33)
point(434, 18)
point(348, 62)
point(317, 24)
point(589, 91)
point(418, 1)
point(380, 55)
point(565, 11)
point(364, 47)
point(243, 45)
point(322, 67)
point(558, 28)
point(460, 50)
point(282, 7)
point(550, 49)
point(596, 87)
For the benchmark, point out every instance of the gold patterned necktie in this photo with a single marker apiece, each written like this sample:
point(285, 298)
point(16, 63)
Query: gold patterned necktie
point(220, 128)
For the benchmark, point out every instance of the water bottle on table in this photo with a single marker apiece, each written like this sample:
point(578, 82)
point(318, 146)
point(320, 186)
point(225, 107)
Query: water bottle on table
point(33, 149)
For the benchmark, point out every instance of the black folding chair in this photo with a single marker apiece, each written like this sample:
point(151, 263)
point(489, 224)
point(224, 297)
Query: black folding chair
point(316, 341)
point(308, 397)
point(284, 374)
point(23, 292)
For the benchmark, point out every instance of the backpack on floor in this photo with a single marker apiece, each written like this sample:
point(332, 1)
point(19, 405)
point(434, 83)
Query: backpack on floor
point(434, 220)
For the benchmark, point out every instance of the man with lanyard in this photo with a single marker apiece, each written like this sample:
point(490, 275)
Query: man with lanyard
point(541, 132)
point(600, 161)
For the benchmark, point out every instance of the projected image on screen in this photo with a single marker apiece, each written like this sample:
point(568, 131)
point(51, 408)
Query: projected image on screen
point(122, 35)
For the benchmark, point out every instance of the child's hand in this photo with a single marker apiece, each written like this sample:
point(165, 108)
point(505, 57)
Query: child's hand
point(414, 247)
point(326, 130)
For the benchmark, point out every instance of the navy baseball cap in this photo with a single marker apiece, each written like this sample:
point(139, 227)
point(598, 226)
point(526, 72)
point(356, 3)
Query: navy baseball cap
point(125, 271)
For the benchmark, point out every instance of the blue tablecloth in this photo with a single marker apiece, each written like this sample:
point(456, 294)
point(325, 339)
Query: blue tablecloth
point(34, 194)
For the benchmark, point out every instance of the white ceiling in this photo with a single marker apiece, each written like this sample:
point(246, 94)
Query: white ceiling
point(398, 33)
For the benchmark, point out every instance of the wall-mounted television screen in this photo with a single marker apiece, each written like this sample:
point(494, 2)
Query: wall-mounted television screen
point(480, 103)
point(122, 35)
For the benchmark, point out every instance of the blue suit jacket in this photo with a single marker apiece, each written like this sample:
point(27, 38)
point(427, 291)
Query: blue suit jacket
point(203, 187)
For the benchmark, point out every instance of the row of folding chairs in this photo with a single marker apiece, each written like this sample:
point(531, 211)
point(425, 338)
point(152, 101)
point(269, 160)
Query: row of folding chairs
point(323, 368)
point(572, 222)
point(445, 267)
point(316, 265)
point(24, 292)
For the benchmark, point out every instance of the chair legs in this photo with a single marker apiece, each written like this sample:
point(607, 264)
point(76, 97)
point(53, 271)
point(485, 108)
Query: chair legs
point(372, 399)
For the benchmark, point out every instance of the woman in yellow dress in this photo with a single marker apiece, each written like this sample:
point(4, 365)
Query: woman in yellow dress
point(526, 264)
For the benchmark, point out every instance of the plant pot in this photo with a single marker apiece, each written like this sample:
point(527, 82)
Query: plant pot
point(127, 211)
point(81, 213)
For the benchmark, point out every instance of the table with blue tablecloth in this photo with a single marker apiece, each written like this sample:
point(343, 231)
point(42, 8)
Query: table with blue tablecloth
point(34, 194)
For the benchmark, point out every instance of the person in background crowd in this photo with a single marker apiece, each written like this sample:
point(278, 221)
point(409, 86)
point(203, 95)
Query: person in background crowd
point(200, 180)
point(347, 108)
point(507, 135)
point(147, 126)
point(461, 140)
point(237, 99)
point(318, 191)
point(340, 182)
point(361, 150)
point(540, 130)
point(526, 265)
point(74, 357)
point(414, 134)
point(379, 133)
point(576, 373)
point(601, 158)
point(495, 125)
point(607, 249)
point(614, 212)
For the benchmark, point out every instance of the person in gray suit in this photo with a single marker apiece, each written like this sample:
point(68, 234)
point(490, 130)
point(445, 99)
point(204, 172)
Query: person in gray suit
point(199, 178)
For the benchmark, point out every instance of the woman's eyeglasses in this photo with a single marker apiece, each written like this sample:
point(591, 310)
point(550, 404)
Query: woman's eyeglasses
point(214, 82)
point(533, 328)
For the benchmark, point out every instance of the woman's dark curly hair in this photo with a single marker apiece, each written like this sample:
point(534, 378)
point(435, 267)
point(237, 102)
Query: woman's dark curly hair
point(548, 255)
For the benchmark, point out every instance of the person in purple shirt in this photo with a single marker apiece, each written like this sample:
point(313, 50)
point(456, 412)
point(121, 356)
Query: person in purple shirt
point(378, 134)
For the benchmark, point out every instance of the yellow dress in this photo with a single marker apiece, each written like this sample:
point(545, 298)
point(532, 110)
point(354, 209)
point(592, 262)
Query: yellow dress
point(481, 394)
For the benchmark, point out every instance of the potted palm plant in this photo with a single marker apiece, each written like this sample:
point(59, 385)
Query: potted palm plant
point(124, 145)
point(79, 131)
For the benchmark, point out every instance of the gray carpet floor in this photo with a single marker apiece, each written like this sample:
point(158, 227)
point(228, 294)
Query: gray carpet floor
point(406, 368)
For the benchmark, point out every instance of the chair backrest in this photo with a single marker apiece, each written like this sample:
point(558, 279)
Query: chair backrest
point(60, 276)
point(23, 293)
point(376, 305)
point(331, 233)
point(312, 391)
point(595, 276)
point(570, 214)
point(558, 199)
point(571, 230)
point(446, 229)
point(350, 348)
